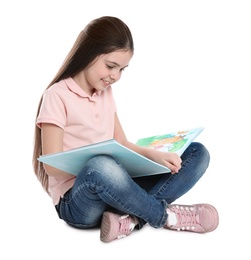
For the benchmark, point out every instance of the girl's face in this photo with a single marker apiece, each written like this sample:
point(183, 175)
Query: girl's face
point(105, 70)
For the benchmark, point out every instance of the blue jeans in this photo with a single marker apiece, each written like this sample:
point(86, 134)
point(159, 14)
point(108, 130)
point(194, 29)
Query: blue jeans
point(103, 184)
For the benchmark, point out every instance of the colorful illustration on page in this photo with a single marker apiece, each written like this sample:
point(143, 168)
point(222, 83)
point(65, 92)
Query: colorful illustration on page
point(168, 142)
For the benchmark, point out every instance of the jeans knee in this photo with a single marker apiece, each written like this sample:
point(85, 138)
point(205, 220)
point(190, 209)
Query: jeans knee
point(107, 168)
point(204, 153)
point(102, 163)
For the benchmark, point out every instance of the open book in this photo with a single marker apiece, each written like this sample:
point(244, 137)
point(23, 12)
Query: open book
point(72, 161)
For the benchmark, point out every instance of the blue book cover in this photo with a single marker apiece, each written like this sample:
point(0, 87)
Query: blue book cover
point(72, 161)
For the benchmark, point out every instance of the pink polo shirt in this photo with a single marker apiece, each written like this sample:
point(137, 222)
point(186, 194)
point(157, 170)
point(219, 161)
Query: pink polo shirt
point(85, 119)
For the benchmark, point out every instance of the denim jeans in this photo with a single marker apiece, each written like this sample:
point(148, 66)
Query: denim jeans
point(103, 184)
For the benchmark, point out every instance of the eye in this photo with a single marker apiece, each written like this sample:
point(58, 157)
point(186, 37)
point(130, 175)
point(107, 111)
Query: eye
point(109, 66)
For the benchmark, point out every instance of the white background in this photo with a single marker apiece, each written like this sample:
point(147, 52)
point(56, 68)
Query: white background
point(191, 68)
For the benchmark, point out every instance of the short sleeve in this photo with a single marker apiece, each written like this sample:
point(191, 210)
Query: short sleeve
point(52, 109)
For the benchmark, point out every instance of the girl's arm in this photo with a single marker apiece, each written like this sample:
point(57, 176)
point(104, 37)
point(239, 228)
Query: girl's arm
point(52, 142)
point(170, 160)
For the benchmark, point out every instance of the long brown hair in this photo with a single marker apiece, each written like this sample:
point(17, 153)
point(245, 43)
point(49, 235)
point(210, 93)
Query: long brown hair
point(101, 36)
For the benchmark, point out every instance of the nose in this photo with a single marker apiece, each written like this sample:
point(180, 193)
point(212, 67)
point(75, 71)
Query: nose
point(115, 76)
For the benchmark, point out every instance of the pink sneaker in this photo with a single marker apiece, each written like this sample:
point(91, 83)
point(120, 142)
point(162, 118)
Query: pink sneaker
point(200, 218)
point(114, 226)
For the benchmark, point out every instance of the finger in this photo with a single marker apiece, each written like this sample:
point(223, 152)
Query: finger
point(172, 168)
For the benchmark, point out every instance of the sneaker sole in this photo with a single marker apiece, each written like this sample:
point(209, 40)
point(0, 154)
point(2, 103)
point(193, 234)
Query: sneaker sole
point(105, 227)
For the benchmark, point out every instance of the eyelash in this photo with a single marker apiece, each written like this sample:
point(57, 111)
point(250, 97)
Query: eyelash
point(111, 67)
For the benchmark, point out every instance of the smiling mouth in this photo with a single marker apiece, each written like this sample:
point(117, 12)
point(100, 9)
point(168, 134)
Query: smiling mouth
point(107, 83)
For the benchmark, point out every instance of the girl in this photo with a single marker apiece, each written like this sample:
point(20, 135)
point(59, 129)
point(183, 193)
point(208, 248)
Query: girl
point(78, 109)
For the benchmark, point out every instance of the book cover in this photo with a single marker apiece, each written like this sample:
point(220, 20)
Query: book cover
point(72, 161)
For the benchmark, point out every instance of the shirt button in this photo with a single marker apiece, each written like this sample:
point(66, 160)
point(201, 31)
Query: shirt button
point(97, 115)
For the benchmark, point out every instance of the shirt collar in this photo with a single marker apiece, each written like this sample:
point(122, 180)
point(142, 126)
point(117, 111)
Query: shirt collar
point(75, 88)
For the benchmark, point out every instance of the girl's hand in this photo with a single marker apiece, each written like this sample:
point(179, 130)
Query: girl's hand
point(170, 160)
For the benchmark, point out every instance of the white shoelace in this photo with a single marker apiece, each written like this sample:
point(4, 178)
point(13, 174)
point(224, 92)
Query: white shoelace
point(126, 226)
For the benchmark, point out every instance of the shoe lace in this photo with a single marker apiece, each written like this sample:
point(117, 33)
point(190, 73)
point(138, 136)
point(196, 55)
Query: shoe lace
point(186, 217)
point(125, 226)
